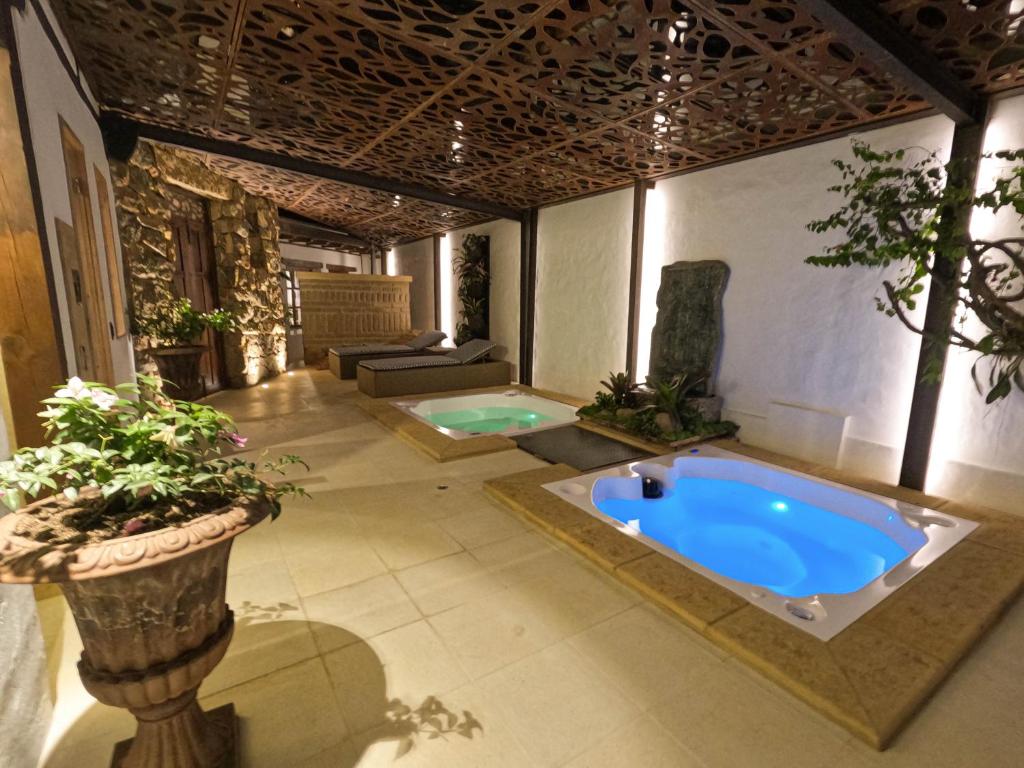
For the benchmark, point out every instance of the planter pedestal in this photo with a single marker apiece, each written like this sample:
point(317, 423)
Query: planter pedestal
point(151, 613)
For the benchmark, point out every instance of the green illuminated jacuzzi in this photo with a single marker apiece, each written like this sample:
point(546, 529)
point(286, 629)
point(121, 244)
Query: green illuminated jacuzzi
point(504, 413)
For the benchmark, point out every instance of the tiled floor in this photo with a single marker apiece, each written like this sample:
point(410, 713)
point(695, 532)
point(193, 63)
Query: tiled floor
point(400, 581)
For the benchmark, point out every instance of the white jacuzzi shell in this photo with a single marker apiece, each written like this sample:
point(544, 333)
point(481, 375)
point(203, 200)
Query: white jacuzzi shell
point(822, 615)
point(560, 413)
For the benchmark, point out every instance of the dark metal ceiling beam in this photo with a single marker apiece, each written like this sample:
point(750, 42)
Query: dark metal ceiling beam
point(864, 27)
point(239, 151)
point(293, 227)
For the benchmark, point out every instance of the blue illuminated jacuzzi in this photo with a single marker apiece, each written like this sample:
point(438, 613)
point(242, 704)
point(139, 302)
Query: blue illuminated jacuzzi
point(816, 554)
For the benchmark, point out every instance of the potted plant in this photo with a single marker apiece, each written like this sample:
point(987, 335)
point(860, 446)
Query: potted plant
point(173, 330)
point(140, 509)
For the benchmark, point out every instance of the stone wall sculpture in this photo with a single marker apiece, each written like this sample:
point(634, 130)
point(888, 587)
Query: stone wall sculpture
point(687, 334)
point(339, 309)
point(158, 183)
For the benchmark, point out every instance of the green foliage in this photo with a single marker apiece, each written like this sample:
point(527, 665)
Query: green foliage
point(622, 388)
point(471, 269)
point(670, 398)
point(136, 452)
point(910, 214)
point(644, 424)
point(179, 324)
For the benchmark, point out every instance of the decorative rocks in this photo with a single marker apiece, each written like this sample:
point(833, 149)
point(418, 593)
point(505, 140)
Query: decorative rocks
point(688, 331)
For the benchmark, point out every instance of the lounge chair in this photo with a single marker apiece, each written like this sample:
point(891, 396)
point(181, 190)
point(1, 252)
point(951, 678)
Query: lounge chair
point(462, 368)
point(343, 360)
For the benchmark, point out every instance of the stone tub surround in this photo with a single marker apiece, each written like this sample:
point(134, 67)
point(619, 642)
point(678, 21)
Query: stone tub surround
point(872, 677)
point(158, 183)
point(436, 444)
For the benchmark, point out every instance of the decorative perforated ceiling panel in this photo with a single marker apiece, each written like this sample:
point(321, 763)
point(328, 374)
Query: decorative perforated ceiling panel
point(518, 103)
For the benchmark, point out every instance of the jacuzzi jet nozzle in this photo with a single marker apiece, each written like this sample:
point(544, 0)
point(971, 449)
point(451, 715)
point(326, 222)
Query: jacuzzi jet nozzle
point(651, 488)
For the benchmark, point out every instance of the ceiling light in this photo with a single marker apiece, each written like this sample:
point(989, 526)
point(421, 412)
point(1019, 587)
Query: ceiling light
point(288, 32)
point(207, 42)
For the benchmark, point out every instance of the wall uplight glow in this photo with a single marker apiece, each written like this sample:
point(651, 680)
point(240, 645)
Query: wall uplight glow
point(655, 222)
point(391, 266)
point(960, 405)
point(446, 293)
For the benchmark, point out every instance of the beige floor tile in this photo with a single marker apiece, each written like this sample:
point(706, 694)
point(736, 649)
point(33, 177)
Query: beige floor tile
point(642, 742)
point(409, 664)
point(286, 717)
point(401, 545)
point(333, 565)
point(270, 627)
point(525, 556)
point(488, 633)
point(727, 719)
point(648, 656)
point(255, 547)
point(483, 524)
point(556, 704)
point(364, 609)
point(442, 584)
point(575, 597)
point(474, 735)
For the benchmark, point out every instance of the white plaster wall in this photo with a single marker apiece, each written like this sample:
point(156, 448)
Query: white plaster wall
point(796, 334)
point(50, 95)
point(582, 292)
point(417, 260)
point(504, 294)
point(322, 255)
point(978, 449)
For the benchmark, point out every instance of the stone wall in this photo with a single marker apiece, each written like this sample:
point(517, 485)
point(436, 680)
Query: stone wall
point(158, 183)
point(352, 309)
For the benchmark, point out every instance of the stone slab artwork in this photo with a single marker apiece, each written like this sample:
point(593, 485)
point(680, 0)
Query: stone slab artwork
point(342, 309)
point(687, 333)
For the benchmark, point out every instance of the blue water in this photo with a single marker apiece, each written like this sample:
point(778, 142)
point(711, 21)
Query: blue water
point(752, 535)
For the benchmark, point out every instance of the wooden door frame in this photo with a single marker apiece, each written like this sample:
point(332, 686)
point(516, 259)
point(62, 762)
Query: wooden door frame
point(88, 252)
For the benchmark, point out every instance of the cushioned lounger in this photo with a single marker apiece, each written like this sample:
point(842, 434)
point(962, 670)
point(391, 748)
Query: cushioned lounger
point(461, 368)
point(343, 360)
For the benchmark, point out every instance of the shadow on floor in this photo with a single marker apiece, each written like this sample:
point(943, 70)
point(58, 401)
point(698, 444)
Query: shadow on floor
point(406, 724)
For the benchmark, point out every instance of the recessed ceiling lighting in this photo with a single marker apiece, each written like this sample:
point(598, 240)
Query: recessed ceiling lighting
point(209, 43)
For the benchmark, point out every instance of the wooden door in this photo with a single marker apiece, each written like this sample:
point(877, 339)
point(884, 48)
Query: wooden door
point(90, 326)
point(197, 281)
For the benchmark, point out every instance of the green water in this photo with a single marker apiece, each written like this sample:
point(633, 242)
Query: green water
point(492, 419)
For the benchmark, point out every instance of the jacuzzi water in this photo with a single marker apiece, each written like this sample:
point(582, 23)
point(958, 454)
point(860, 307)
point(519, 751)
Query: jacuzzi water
point(814, 553)
point(492, 419)
point(752, 535)
point(511, 412)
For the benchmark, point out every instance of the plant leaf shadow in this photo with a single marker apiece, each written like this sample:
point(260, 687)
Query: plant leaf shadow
point(409, 725)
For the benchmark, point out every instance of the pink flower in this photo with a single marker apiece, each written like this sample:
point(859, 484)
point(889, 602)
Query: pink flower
point(133, 526)
point(236, 439)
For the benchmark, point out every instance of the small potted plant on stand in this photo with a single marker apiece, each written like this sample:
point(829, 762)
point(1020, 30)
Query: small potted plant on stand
point(173, 329)
point(137, 533)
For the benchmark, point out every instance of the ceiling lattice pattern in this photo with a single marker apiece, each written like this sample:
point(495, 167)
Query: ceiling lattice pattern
point(365, 213)
point(518, 103)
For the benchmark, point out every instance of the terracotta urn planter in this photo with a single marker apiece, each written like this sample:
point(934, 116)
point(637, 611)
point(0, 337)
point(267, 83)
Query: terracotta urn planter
point(180, 367)
point(151, 612)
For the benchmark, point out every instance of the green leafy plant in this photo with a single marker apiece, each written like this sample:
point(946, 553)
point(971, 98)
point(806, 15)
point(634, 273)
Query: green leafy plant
point(670, 398)
point(472, 270)
point(911, 214)
point(180, 324)
point(622, 388)
point(124, 461)
point(644, 423)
